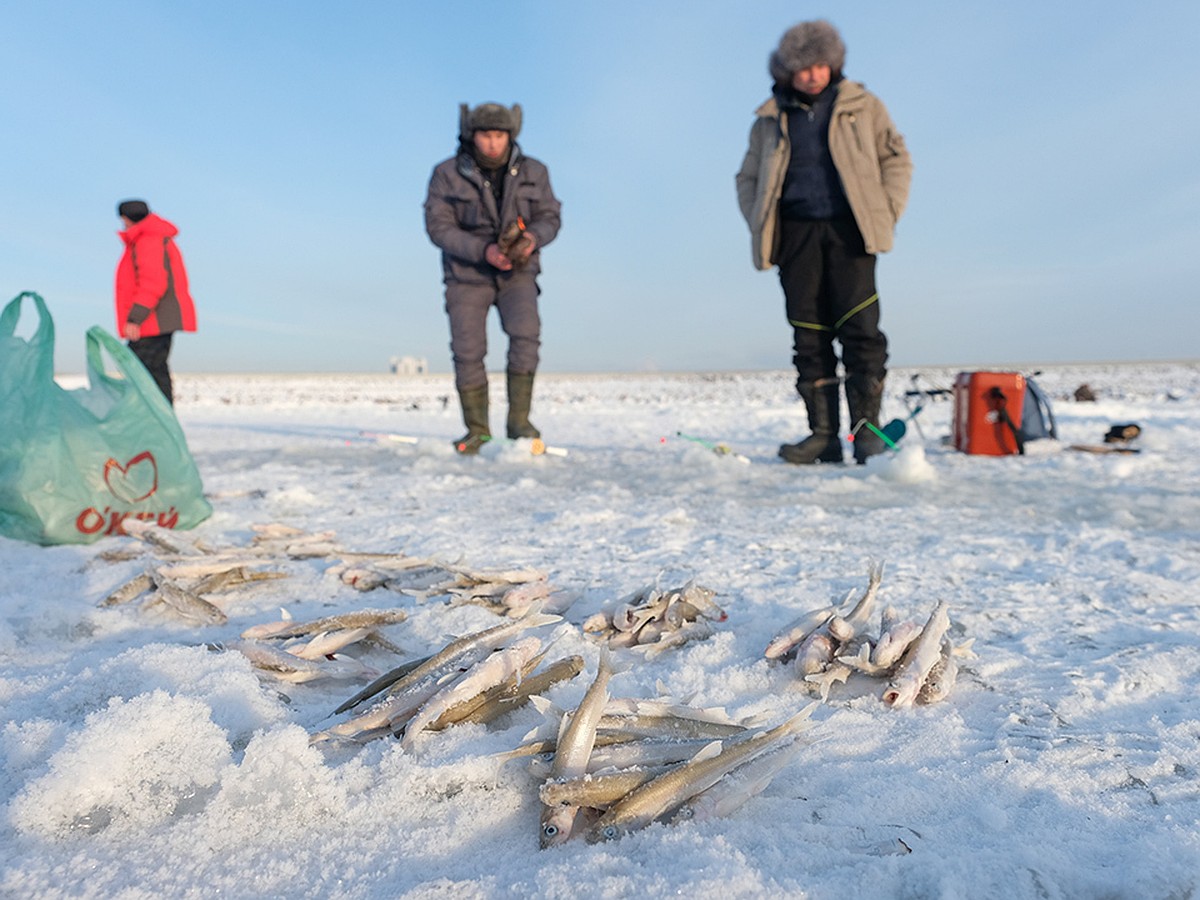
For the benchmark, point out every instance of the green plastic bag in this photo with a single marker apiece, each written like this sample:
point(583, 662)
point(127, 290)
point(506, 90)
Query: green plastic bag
point(74, 465)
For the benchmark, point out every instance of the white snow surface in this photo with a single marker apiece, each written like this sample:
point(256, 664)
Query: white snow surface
point(1065, 763)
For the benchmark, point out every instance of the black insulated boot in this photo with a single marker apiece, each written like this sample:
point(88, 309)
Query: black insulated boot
point(475, 416)
point(864, 394)
point(520, 398)
point(823, 445)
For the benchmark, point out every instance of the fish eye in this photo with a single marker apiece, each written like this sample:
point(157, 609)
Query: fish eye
point(550, 830)
point(610, 832)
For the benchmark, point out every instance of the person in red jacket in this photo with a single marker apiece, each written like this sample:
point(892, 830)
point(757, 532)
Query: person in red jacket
point(153, 301)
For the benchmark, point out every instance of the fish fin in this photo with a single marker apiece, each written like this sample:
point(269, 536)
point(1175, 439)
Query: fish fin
point(614, 667)
point(536, 618)
point(754, 721)
point(847, 605)
point(875, 571)
point(533, 663)
point(533, 734)
point(966, 649)
point(708, 751)
point(562, 725)
point(799, 719)
point(545, 707)
point(285, 615)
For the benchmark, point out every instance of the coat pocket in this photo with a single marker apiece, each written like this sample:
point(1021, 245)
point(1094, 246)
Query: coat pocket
point(466, 211)
point(529, 199)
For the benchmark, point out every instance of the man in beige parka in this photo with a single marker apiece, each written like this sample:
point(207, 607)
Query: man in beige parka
point(822, 186)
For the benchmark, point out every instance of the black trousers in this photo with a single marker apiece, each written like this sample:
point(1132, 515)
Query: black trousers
point(153, 352)
point(828, 283)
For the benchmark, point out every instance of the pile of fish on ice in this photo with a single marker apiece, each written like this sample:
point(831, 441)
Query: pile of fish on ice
point(827, 644)
point(616, 765)
point(475, 678)
point(611, 765)
point(653, 620)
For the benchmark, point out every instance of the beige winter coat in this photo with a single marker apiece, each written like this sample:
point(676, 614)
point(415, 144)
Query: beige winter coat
point(868, 152)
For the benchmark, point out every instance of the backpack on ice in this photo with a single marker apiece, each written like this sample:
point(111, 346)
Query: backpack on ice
point(995, 413)
point(1037, 418)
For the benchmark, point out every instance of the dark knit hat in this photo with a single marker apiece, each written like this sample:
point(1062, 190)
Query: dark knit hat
point(490, 117)
point(133, 210)
point(807, 44)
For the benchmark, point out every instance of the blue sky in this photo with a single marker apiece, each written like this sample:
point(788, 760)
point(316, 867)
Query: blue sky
point(1054, 216)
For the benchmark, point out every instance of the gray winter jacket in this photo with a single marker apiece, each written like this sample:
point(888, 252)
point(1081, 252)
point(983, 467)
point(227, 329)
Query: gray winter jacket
point(868, 152)
point(462, 219)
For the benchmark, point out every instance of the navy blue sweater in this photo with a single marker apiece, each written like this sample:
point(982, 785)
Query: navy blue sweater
point(812, 188)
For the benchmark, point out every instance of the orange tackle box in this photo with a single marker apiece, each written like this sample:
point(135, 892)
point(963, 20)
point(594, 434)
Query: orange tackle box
point(987, 412)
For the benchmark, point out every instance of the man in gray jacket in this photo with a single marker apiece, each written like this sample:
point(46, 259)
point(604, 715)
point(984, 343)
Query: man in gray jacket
point(822, 186)
point(491, 210)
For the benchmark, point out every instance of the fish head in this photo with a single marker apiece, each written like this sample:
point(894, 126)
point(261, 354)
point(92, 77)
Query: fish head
point(685, 813)
point(556, 824)
point(605, 831)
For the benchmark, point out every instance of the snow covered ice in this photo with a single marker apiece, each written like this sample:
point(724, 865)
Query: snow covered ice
point(1065, 763)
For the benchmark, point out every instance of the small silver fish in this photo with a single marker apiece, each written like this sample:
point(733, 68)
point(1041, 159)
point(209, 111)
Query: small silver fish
point(786, 640)
point(162, 538)
point(286, 667)
point(940, 680)
point(400, 703)
point(573, 751)
point(893, 643)
point(667, 792)
point(386, 680)
point(702, 598)
point(485, 674)
point(691, 631)
point(130, 590)
point(730, 793)
point(598, 791)
point(372, 618)
point(326, 643)
point(512, 694)
point(666, 727)
point(815, 653)
point(845, 627)
point(920, 658)
point(405, 696)
point(188, 605)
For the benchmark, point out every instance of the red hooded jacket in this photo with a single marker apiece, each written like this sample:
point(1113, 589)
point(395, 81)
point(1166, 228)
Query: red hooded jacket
point(152, 284)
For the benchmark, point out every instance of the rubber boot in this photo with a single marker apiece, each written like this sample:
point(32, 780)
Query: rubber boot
point(823, 445)
point(475, 415)
point(864, 394)
point(520, 397)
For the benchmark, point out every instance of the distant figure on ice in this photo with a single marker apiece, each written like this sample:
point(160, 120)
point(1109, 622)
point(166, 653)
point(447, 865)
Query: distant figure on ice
point(491, 210)
point(152, 290)
point(822, 185)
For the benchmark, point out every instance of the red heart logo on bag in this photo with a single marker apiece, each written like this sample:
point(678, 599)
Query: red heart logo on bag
point(134, 481)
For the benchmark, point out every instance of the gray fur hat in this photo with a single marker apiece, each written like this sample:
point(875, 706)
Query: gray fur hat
point(489, 117)
point(807, 44)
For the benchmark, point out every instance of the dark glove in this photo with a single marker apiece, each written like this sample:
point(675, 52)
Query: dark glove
point(1120, 434)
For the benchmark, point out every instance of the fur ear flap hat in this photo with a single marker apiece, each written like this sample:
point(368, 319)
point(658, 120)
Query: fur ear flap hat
point(489, 117)
point(807, 44)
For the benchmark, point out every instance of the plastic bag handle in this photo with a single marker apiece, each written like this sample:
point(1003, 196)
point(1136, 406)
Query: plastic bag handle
point(134, 372)
point(43, 337)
